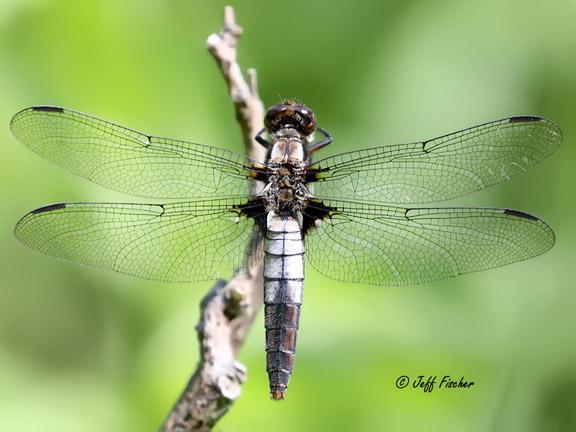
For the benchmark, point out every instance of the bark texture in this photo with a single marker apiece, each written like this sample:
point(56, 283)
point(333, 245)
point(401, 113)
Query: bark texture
point(229, 308)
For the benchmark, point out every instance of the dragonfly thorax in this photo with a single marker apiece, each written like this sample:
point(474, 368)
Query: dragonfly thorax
point(287, 148)
point(286, 191)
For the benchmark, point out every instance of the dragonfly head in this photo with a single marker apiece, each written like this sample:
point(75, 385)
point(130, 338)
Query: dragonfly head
point(290, 114)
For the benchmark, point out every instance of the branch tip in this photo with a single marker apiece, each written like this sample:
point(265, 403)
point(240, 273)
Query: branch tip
point(230, 24)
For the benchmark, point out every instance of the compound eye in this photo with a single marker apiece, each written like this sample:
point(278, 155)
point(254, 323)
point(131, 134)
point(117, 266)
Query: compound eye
point(290, 114)
point(308, 120)
point(273, 117)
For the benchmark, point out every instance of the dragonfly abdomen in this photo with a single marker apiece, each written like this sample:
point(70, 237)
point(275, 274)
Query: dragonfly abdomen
point(283, 284)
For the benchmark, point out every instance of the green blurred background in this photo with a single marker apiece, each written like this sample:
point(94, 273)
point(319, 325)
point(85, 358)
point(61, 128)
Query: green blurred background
point(88, 350)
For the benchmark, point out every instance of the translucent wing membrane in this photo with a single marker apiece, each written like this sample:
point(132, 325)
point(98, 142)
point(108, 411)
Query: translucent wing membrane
point(177, 242)
point(441, 168)
point(384, 245)
point(129, 161)
point(355, 242)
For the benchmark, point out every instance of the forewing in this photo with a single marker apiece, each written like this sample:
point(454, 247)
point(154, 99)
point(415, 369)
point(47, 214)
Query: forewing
point(129, 161)
point(178, 242)
point(441, 168)
point(383, 245)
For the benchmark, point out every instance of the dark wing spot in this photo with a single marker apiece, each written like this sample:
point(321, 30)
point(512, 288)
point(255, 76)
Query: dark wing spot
point(315, 210)
point(315, 174)
point(49, 208)
point(511, 212)
point(519, 119)
point(258, 173)
point(48, 109)
point(256, 210)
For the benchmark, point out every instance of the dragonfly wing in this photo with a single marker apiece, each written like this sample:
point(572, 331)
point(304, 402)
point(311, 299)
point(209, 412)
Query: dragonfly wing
point(129, 161)
point(178, 242)
point(439, 169)
point(384, 245)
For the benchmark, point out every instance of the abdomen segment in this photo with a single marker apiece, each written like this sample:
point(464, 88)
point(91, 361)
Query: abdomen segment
point(283, 283)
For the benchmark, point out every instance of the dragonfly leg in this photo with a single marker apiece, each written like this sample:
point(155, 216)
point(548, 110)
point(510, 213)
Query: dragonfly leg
point(322, 143)
point(261, 140)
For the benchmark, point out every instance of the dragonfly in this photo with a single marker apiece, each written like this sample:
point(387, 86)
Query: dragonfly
point(358, 216)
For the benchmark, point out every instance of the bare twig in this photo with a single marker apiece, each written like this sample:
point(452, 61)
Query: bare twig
point(229, 308)
point(249, 107)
